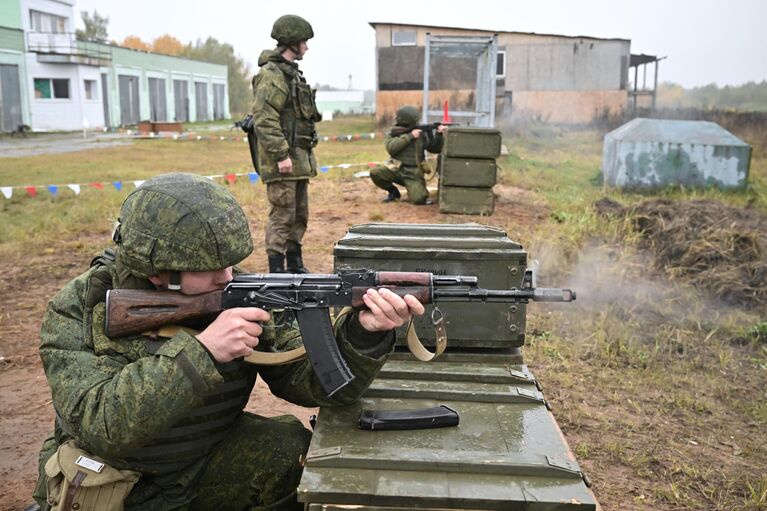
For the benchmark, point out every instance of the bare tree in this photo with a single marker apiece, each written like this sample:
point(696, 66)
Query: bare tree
point(95, 27)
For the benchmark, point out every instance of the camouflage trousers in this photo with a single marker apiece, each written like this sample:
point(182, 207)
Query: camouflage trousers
point(409, 177)
point(256, 467)
point(288, 214)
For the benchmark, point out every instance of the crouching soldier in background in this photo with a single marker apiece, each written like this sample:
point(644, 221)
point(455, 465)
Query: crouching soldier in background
point(156, 421)
point(407, 146)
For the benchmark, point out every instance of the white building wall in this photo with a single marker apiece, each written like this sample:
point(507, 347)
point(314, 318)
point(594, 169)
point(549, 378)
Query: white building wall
point(71, 113)
point(76, 112)
point(63, 8)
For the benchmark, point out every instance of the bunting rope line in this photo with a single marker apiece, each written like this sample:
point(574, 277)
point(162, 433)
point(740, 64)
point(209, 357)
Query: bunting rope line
point(230, 177)
point(209, 138)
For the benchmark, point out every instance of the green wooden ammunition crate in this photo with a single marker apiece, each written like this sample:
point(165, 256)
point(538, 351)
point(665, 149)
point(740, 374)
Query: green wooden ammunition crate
point(469, 172)
point(465, 200)
point(448, 249)
point(463, 142)
point(507, 453)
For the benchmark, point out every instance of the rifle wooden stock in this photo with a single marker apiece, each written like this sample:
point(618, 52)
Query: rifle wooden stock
point(131, 311)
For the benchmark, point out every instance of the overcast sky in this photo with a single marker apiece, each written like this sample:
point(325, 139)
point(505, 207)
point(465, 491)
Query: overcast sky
point(705, 40)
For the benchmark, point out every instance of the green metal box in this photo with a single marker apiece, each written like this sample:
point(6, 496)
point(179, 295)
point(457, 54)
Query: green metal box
point(448, 249)
point(464, 142)
point(466, 201)
point(506, 453)
point(470, 172)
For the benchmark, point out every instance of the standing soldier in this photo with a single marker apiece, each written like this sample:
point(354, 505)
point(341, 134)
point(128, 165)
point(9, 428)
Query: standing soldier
point(406, 146)
point(284, 114)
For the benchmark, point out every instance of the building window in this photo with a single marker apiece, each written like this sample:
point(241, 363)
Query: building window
point(48, 23)
point(52, 88)
point(500, 66)
point(91, 92)
point(403, 38)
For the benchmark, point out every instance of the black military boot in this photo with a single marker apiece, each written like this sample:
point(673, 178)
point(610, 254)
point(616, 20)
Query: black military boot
point(295, 261)
point(393, 194)
point(276, 263)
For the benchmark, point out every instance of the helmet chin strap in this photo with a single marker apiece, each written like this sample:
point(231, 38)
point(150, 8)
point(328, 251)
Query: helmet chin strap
point(174, 281)
point(296, 52)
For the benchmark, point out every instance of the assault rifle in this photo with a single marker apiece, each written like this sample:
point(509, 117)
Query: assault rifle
point(429, 130)
point(308, 297)
point(246, 125)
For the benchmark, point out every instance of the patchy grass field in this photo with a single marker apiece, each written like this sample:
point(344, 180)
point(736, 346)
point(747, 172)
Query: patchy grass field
point(659, 389)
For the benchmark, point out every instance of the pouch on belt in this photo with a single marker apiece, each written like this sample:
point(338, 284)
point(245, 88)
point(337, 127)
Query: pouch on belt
point(81, 481)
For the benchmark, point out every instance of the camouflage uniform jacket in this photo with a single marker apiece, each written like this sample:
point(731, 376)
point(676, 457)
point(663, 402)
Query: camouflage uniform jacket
point(284, 114)
point(409, 151)
point(123, 398)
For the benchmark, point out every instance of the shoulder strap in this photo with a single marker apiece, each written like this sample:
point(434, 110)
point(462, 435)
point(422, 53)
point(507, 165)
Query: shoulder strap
point(106, 258)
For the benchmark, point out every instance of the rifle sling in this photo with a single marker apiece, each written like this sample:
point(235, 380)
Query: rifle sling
point(414, 344)
point(417, 348)
point(257, 357)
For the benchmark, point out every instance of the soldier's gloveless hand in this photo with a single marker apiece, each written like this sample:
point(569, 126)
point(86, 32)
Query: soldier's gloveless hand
point(285, 166)
point(234, 333)
point(387, 310)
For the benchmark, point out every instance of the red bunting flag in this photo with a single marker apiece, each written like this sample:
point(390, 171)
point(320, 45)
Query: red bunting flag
point(97, 186)
point(230, 178)
point(31, 191)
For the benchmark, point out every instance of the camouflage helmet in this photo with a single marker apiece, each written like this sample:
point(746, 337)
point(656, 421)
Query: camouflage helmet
point(290, 29)
point(407, 116)
point(181, 222)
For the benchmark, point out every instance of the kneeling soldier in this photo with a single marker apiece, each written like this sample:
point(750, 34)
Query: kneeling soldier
point(150, 424)
point(407, 147)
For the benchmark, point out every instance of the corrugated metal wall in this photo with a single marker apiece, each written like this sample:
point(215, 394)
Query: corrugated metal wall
point(129, 100)
point(181, 99)
point(201, 100)
point(158, 110)
point(10, 98)
point(219, 94)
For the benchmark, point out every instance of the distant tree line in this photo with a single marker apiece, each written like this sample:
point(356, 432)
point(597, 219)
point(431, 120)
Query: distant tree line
point(749, 97)
point(210, 50)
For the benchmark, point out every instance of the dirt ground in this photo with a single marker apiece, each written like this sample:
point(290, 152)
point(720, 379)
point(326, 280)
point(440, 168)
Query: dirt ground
point(26, 414)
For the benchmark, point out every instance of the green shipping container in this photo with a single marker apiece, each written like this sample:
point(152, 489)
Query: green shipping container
point(448, 249)
point(465, 200)
point(468, 172)
point(463, 142)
